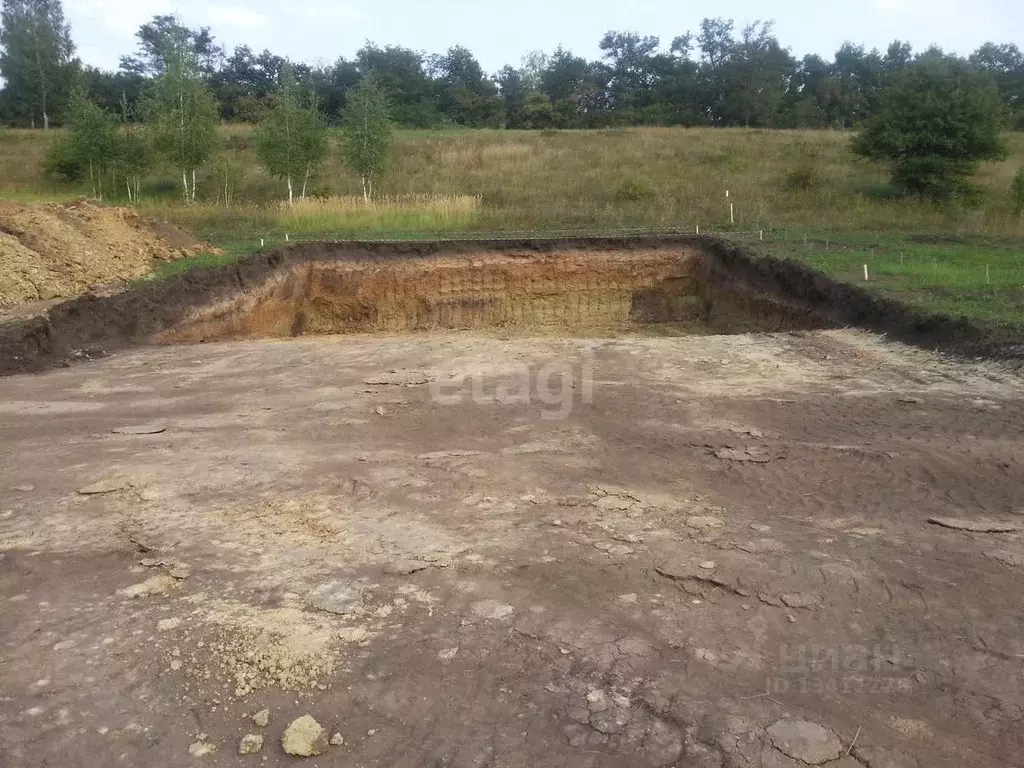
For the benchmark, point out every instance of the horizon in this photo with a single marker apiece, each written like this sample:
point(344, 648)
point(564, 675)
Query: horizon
point(104, 30)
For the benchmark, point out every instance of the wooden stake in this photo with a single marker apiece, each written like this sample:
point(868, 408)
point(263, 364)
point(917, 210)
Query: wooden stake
point(698, 229)
point(261, 242)
point(732, 218)
point(865, 272)
point(760, 234)
point(286, 237)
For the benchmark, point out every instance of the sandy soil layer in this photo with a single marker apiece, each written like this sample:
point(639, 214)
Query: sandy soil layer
point(463, 551)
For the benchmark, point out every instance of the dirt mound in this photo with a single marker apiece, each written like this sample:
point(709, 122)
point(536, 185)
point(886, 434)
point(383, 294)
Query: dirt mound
point(570, 287)
point(49, 251)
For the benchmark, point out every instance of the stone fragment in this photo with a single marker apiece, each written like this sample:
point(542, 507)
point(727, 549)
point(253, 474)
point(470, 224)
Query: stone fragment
point(304, 737)
point(250, 744)
point(262, 718)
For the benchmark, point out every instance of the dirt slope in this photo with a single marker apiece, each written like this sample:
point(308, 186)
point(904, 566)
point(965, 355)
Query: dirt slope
point(50, 251)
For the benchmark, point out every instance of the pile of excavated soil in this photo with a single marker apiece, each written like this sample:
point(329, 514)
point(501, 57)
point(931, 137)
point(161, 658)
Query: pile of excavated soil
point(49, 251)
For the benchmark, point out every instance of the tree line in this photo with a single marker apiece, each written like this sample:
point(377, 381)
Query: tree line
point(720, 75)
point(173, 123)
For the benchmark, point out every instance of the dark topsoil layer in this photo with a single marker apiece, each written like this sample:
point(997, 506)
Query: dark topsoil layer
point(91, 326)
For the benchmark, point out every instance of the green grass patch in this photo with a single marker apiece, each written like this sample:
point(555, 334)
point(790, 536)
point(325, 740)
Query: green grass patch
point(230, 255)
point(970, 276)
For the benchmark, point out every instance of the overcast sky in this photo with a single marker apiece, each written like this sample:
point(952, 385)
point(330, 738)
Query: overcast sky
point(499, 33)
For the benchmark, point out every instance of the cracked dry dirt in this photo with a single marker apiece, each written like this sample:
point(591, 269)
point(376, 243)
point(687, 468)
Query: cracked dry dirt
point(724, 558)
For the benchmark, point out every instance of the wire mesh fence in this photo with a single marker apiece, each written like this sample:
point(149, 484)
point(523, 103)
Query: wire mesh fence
point(506, 234)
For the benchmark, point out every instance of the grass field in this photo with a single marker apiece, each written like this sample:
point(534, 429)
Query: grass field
point(803, 189)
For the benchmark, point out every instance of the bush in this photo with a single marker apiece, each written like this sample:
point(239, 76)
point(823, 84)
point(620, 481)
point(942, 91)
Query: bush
point(803, 178)
point(63, 161)
point(1017, 191)
point(634, 191)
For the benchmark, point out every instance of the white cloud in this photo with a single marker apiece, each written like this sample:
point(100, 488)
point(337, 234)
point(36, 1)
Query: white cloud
point(120, 18)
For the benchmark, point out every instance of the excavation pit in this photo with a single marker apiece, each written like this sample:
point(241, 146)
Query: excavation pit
point(575, 292)
point(558, 287)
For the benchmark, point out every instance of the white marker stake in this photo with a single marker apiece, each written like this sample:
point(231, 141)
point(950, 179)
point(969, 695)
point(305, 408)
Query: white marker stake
point(261, 242)
point(727, 193)
point(286, 237)
point(865, 271)
point(760, 234)
point(732, 218)
point(698, 229)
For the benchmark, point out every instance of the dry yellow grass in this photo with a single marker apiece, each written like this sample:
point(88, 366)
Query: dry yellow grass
point(648, 177)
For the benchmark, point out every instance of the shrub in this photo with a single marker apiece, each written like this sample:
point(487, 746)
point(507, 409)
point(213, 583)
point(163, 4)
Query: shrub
point(63, 161)
point(802, 178)
point(1017, 191)
point(634, 191)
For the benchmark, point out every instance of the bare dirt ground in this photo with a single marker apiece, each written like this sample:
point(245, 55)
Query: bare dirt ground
point(702, 552)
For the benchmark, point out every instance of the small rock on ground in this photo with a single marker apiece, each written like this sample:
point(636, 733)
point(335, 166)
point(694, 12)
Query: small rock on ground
point(262, 718)
point(304, 737)
point(201, 748)
point(250, 744)
point(337, 740)
point(805, 741)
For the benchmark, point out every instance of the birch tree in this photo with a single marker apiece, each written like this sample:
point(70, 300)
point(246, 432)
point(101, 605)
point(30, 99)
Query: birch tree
point(181, 114)
point(368, 134)
point(291, 141)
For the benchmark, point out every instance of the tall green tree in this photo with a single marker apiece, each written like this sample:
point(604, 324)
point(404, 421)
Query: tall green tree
point(291, 142)
point(181, 115)
point(37, 58)
point(160, 42)
point(514, 93)
point(938, 121)
point(368, 134)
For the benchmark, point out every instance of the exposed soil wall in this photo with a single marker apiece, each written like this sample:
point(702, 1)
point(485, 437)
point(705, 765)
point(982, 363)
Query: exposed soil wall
point(571, 287)
point(572, 291)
